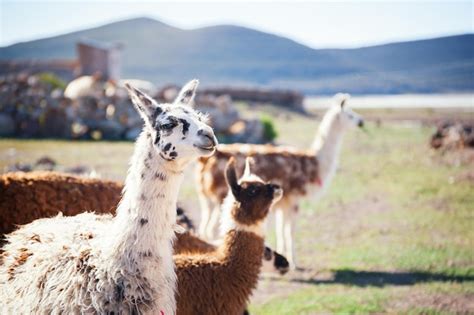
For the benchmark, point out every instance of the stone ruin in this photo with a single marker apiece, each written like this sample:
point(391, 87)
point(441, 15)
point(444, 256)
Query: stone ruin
point(34, 107)
point(286, 98)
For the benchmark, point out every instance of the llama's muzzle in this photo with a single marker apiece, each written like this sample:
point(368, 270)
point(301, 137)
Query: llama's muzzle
point(207, 140)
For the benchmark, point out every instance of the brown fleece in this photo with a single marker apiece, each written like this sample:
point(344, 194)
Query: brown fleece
point(293, 170)
point(188, 243)
point(219, 282)
point(25, 197)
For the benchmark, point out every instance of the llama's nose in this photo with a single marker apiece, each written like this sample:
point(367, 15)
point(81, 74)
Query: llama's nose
point(207, 138)
point(360, 123)
point(276, 190)
point(275, 187)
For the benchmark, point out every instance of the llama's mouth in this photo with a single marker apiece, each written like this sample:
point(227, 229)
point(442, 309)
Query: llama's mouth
point(206, 149)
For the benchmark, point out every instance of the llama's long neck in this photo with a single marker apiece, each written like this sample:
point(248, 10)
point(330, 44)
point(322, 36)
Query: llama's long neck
point(242, 255)
point(146, 214)
point(327, 145)
point(243, 244)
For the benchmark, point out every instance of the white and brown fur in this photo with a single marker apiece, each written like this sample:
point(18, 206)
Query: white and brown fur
point(220, 282)
point(34, 195)
point(92, 263)
point(299, 172)
point(26, 197)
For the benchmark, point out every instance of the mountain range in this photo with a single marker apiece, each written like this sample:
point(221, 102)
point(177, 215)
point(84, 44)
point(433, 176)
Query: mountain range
point(233, 55)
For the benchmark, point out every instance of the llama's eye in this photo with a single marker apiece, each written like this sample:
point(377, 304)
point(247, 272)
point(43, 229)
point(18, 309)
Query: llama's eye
point(252, 192)
point(167, 126)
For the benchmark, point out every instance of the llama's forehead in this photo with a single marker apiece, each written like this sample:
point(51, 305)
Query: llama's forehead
point(181, 113)
point(252, 180)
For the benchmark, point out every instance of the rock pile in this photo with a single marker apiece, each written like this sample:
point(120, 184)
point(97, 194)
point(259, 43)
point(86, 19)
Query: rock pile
point(34, 106)
point(290, 99)
point(453, 135)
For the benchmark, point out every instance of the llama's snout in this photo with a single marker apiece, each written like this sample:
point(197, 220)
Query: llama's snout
point(360, 124)
point(276, 191)
point(206, 140)
point(207, 137)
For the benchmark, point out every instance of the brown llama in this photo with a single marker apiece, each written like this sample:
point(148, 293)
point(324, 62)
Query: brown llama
point(221, 282)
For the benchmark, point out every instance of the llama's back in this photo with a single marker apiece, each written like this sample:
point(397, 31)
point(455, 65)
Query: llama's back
point(26, 197)
point(294, 170)
point(47, 265)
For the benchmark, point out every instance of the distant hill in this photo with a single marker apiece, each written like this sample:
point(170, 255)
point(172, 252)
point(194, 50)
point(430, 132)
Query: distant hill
point(231, 55)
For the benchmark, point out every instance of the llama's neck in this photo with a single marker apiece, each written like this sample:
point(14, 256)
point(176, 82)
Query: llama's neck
point(327, 145)
point(242, 253)
point(243, 244)
point(147, 212)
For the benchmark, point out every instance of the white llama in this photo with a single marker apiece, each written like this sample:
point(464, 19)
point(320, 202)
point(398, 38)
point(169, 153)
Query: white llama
point(89, 263)
point(298, 172)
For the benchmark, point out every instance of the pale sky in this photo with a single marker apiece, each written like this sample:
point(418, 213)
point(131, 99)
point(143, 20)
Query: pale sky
point(318, 24)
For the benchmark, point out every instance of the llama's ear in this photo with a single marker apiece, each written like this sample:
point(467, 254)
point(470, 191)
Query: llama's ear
point(231, 177)
point(187, 93)
point(145, 105)
point(248, 161)
point(341, 99)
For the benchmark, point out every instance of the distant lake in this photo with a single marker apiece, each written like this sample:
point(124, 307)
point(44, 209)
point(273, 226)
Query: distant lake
point(399, 101)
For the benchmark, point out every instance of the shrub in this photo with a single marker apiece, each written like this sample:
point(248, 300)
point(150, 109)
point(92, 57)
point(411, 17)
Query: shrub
point(52, 79)
point(269, 131)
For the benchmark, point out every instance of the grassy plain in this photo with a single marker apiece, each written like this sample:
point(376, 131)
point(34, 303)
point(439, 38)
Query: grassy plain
point(393, 234)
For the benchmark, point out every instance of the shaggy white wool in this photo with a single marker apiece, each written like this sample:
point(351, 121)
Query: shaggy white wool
point(122, 265)
point(95, 263)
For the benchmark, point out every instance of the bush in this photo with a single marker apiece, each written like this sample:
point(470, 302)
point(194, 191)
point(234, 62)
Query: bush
point(269, 131)
point(52, 79)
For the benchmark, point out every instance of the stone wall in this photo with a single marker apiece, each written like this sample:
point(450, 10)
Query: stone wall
point(286, 98)
point(32, 107)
